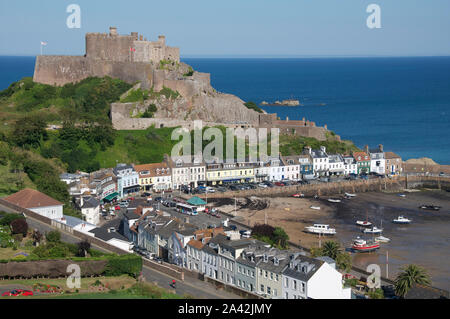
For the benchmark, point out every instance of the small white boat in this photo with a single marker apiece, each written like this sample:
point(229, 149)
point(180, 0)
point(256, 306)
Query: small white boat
point(402, 195)
point(334, 200)
point(401, 220)
point(315, 207)
point(373, 230)
point(382, 239)
point(350, 195)
point(321, 229)
point(363, 223)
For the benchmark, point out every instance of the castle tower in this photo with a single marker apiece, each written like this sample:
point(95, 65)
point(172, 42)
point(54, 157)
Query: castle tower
point(112, 31)
point(162, 40)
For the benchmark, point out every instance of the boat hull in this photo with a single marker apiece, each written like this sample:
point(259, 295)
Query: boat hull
point(365, 249)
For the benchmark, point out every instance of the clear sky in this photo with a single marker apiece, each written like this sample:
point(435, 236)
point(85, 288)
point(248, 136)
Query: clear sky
point(235, 27)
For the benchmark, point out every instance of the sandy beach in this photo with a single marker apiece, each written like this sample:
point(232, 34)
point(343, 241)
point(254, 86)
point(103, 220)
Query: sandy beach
point(425, 242)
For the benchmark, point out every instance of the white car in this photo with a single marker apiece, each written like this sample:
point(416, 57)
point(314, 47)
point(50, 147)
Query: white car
point(262, 185)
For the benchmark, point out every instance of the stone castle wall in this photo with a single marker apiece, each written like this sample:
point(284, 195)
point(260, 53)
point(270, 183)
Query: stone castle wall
point(60, 70)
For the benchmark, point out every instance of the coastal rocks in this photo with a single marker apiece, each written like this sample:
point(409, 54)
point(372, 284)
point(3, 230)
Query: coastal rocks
point(289, 102)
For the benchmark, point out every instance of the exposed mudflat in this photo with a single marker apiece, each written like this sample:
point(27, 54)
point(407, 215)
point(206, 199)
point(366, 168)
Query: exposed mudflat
point(425, 242)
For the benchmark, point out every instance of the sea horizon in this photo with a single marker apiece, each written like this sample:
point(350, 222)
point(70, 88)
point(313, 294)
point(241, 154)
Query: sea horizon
point(401, 102)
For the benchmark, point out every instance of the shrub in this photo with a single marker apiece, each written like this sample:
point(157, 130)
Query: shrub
point(7, 219)
point(129, 264)
point(53, 236)
point(19, 226)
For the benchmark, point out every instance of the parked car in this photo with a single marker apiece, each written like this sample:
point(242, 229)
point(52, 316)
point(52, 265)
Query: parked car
point(262, 185)
point(298, 195)
point(233, 227)
point(279, 184)
point(117, 207)
point(17, 292)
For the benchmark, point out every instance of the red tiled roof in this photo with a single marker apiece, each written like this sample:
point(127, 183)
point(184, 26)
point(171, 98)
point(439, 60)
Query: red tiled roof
point(362, 155)
point(30, 198)
point(195, 243)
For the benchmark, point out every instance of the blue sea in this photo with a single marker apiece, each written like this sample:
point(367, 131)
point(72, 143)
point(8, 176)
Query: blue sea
point(402, 103)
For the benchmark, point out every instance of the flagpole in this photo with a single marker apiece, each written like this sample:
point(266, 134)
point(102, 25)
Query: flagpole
point(41, 48)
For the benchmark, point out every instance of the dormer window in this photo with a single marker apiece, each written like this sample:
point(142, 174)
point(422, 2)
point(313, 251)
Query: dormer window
point(276, 262)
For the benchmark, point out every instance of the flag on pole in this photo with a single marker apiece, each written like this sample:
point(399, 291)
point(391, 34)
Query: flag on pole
point(43, 43)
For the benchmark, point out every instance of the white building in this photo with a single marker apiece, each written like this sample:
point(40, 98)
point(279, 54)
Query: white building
point(128, 180)
point(377, 160)
point(276, 172)
point(350, 165)
point(90, 209)
point(291, 168)
point(310, 278)
point(37, 202)
point(336, 164)
point(320, 161)
point(186, 171)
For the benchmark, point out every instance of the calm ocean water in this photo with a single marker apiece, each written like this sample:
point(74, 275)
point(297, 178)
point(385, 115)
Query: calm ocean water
point(402, 103)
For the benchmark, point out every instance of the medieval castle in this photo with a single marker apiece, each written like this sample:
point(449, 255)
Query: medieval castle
point(155, 66)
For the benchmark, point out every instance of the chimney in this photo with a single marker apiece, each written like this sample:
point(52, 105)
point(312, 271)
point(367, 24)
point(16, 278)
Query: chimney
point(141, 37)
point(323, 149)
point(381, 148)
point(366, 149)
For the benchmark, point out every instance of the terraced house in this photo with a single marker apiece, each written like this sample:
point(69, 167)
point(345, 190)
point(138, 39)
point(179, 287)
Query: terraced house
point(226, 173)
point(320, 160)
point(269, 270)
point(362, 160)
point(291, 168)
point(186, 170)
point(155, 176)
point(127, 180)
point(246, 273)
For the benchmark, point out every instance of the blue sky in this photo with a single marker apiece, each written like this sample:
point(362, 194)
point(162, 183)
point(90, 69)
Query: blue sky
point(235, 27)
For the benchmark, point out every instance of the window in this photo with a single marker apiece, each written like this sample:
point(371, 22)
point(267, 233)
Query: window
point(262, 288)
point(269, 290)
point(265, 273)
point(286, 282)
point(303, 287)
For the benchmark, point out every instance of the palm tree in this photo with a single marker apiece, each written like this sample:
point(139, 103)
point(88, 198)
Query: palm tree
point(331, 249)
point(410, 275)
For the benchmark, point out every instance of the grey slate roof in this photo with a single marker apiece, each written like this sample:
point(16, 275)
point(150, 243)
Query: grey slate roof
point(312, 263)
point(90, 202)
point(103, 234)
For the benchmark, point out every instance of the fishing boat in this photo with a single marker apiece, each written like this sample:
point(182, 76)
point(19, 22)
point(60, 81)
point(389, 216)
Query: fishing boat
point(320, 229)
point(401, 220)
point(334, 200)
point(430, 207)
point(382, 239)
point(373, 230)
point(315, 207)
point(361, 245)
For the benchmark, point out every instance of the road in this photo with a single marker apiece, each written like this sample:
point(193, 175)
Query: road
point(196, 288)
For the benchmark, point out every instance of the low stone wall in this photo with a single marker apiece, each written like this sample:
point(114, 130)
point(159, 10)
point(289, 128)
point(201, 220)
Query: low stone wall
point(321, 189)
point(50, 268)
point(166, 269)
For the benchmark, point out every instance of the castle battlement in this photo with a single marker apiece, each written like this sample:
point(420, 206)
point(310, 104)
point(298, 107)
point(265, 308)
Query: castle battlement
point(128, 48)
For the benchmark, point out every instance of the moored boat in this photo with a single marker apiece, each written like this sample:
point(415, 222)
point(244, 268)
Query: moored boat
point(362, 245)
point(334, 200)
point(315, 207)
point(401, 220)
point(382, 239)
point(350, 195)
point(363, 223)
point(430, 207)
point(373, 230)
point(320, 229)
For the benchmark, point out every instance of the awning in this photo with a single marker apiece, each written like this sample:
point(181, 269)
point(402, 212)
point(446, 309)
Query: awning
point(110, 197)
point(196, 201)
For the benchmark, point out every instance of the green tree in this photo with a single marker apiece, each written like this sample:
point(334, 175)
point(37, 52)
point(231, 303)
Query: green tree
point(410, 275)
point(28, 131)
point(252, 105)
point(280, 237)
point(331, 249)
point(344, 261)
